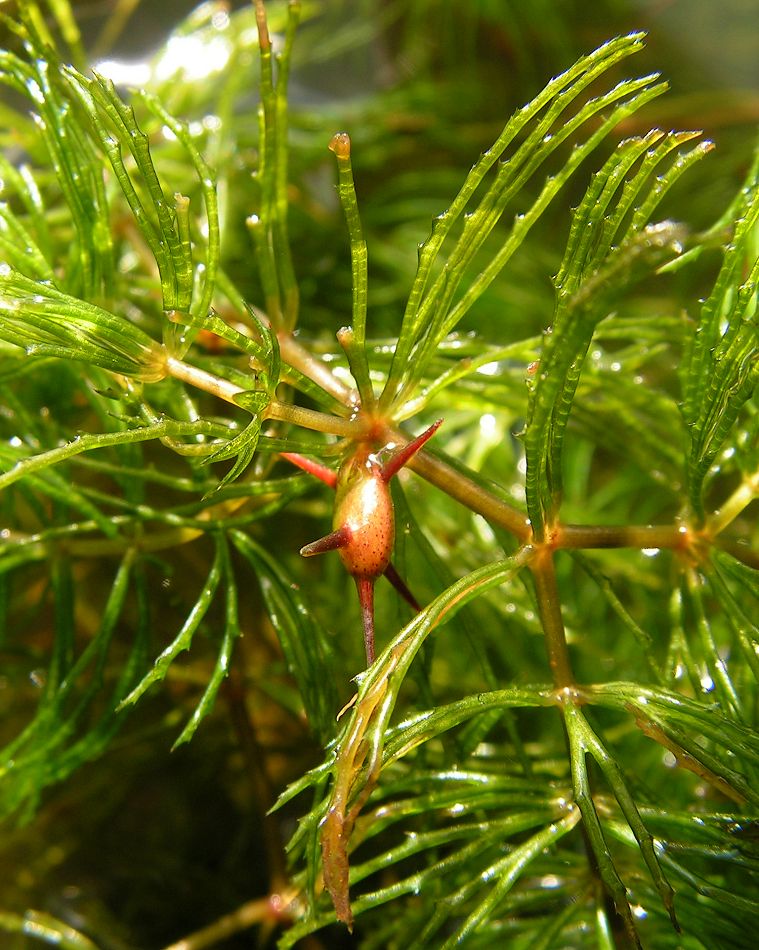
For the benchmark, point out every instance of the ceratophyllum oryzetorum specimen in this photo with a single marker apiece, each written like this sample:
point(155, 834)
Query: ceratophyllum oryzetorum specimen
point(564, 737)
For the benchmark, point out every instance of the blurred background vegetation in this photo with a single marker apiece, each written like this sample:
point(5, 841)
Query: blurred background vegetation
point(139, 846)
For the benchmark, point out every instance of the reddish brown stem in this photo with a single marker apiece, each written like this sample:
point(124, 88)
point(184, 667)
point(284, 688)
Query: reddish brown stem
point(549, 607)
point(365, 588)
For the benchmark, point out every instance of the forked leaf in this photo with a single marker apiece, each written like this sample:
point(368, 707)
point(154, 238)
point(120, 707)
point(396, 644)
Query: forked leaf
point(40, 78)
point(59, 737)
point(183, 639)
point(210, 229)
point(609, 239)
point(263, 348)
point(116, 127)
point(301, 640)
point(359, 752)
point(544, 125)
point(47, 322)
point(242, 447)
point(592, 825)
point(221, 669)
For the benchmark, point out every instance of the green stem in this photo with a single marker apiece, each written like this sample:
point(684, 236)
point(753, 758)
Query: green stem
point(645, 537)
point(297, 415)
point(288, 285)
point(318, 421)
point(269, 226)
point(354, 340)
point(740, 499)
point(296, 355)
point(446, 477)
point(203, 380)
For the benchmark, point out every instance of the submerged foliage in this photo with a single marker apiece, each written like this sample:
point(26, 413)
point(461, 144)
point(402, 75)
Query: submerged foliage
point(561, 748)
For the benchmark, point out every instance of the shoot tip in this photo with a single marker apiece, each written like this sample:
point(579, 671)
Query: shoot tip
point(340, 144)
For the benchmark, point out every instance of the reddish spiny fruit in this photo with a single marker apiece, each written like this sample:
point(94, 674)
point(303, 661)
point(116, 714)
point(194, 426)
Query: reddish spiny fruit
point(364, 522)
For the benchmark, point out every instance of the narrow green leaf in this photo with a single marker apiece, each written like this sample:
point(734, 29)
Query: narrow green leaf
point(507, 871)
point(48, 749)
point(429, 315)
point(166, 429)
point(591, 822)
point(158, 225)
point(614, 776)
point(19, 249)
point(221, 669)
point(302, 642)
point(183, 639)
point(212, 236)
point(610, 233)
point(43, 926)
point(269, 225)
point(90, 268)
point(45, 321)
point(722, 367)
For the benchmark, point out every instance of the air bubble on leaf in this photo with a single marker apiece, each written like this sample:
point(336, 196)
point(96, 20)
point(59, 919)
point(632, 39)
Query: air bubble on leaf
point(220, 20)
point(707, 683)
point(650, 552)
point(123, 73)
point(488, 424)
point(33, 88)
point(342, 374)
point(192, 57)
point(488, 369)
point(484, 531)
